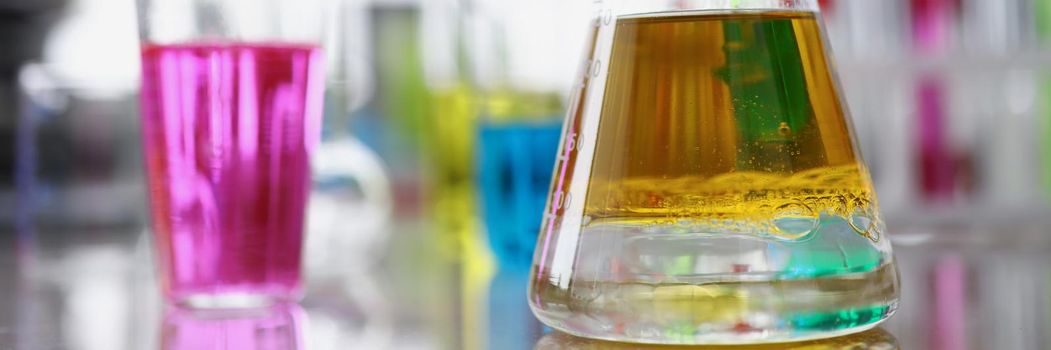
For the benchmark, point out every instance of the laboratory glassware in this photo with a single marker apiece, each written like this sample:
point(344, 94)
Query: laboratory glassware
point(708, 189)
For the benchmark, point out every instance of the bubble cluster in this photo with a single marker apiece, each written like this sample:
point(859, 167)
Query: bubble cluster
point(787, 207)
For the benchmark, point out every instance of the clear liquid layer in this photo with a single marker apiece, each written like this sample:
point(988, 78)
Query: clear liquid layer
point(669, 284)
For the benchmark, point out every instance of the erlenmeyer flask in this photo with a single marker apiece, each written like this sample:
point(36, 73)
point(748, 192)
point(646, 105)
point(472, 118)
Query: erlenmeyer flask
point(709, 189)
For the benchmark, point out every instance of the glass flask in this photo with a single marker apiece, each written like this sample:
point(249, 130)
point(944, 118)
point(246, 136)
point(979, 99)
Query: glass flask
point(708, 189)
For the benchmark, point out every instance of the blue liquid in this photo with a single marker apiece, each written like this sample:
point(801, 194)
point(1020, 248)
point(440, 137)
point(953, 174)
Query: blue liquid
point(515, 164)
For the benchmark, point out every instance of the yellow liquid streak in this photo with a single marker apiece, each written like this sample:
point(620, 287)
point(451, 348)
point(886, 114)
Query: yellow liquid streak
point(740, 201)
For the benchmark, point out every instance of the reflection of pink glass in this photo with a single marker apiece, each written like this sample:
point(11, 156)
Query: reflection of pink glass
point(948, 328)
point(228, 132)
point(276, 327)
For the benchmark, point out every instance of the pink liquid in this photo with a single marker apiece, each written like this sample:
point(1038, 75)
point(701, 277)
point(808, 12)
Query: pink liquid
point(228, 130)
point(276, 327)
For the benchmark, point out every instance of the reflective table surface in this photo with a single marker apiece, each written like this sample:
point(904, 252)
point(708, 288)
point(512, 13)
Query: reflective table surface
point(94, 289)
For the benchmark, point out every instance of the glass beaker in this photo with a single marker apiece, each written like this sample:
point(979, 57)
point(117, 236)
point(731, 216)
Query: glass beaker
point(708, 188)
point(232, 97)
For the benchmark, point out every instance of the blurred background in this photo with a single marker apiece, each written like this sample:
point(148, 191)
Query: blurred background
point(442, 123)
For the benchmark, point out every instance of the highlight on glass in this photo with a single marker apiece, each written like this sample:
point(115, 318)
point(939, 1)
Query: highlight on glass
point(708, 189)
point(232, 96)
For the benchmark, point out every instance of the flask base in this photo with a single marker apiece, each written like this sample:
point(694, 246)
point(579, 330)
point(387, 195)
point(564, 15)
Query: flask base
point(723, 313)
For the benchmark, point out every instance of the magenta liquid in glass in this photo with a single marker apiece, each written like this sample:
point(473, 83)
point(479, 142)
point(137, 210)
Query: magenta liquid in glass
point(228, 130)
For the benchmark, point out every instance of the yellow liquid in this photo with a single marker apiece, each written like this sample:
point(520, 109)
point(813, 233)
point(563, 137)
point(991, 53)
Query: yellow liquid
point(729, 121)
point(450, 156)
